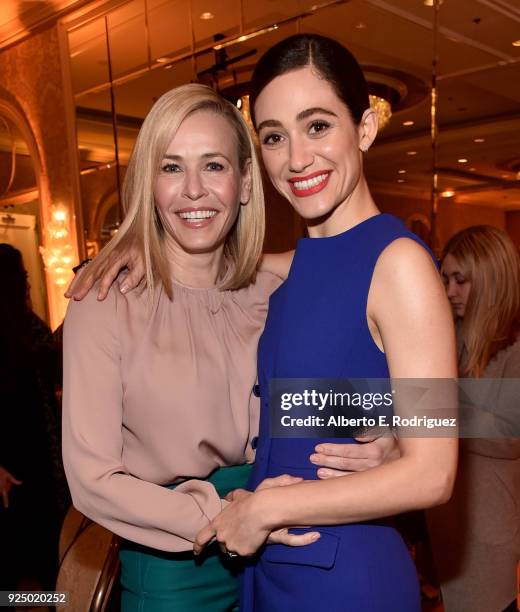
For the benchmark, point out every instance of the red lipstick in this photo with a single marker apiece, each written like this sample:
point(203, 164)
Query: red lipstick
point(303, 186)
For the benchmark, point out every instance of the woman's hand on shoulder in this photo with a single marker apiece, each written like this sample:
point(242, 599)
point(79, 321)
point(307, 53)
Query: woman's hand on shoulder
point(129, 257)
point(277, 263)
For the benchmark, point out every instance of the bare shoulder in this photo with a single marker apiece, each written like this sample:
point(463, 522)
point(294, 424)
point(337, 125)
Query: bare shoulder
point(277, 263)
point(406, 277)
point(403, 256)
point(408, 308)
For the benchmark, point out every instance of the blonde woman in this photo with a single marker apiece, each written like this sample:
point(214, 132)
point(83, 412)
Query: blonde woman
point(157, 383)
point(476, 536)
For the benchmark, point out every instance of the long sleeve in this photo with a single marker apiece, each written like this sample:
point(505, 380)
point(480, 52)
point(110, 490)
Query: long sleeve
point(505, 416)
point(101, 485)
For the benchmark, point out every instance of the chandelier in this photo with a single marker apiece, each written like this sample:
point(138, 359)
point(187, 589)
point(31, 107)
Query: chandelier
point(383, 109)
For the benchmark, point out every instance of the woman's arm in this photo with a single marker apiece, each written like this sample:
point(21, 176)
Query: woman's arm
point(130, 258)
point(7, 481)
point(503, 418)
point(101, 485)
point(277, 263)
point(408, 305)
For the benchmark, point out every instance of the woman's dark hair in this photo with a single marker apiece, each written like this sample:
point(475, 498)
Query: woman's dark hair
point(14, 306)
point(13, 277)
point(328, 57)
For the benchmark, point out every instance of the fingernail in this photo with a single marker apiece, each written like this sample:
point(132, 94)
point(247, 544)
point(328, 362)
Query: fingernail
point(315, 536)
point(314, 458)
point(322, 472)
point(319, 448)
point(123, 288)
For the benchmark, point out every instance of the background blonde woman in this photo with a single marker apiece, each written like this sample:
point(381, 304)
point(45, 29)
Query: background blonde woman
point(476, 536)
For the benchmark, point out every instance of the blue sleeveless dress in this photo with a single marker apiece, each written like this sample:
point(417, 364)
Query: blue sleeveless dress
point(316, 328)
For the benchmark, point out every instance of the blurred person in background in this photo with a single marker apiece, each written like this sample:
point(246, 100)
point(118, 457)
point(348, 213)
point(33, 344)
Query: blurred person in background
point(476, 535)
point(32, 483)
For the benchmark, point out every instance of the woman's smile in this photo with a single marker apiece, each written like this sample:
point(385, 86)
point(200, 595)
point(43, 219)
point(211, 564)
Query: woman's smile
point(195, 218)
point(303, 186)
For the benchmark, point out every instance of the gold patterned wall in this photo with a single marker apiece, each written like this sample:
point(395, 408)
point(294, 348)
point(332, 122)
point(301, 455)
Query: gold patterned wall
point(34, 91)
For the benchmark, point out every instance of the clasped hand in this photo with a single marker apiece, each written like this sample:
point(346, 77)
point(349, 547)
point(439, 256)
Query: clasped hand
point(241, 527)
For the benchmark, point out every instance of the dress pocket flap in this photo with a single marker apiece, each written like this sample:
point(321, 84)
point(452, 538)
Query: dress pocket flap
point(321, 553)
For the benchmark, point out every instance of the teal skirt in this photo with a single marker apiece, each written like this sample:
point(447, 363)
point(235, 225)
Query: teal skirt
point(157, 581)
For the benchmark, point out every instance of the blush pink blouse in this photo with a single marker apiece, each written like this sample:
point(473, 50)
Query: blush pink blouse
point(157, 397)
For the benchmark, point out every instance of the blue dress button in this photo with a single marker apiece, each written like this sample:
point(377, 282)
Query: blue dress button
point(254, 442)
point(256, 390)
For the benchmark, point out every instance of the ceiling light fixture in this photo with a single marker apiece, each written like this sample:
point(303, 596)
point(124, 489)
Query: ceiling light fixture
point(360, 26)
point(516, 43)
point(407, 123)
point(244, 37)
point(411, 152)
point(162, 60)
point(206, 16)
point(400, 180)
point(479, 140)
point(447, 194)
point(401, 172)
point(462, 160)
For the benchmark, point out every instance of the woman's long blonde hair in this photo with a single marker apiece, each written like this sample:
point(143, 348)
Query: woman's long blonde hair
point(491, 263)
point(142, 225)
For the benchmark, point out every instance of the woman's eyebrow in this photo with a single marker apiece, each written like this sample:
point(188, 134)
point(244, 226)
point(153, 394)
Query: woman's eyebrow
point(304, 114)
point(268, 123)
point(205, 155)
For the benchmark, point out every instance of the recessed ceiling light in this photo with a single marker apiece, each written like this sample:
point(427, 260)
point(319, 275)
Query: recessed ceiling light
point(516, 43)
point(360, 26)
point(407, 123)
point(162, 60)
point(447, 194)
point(401, 171)
point(479, 140)
point(504, 176)
point(462, 160)
point(411, 152)
point(400, 180)
point(206, 16)
point(431, 2)
point(472, 169)
point(168, 67)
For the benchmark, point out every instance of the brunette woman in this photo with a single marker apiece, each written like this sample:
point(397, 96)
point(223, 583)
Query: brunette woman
point(345, 311)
